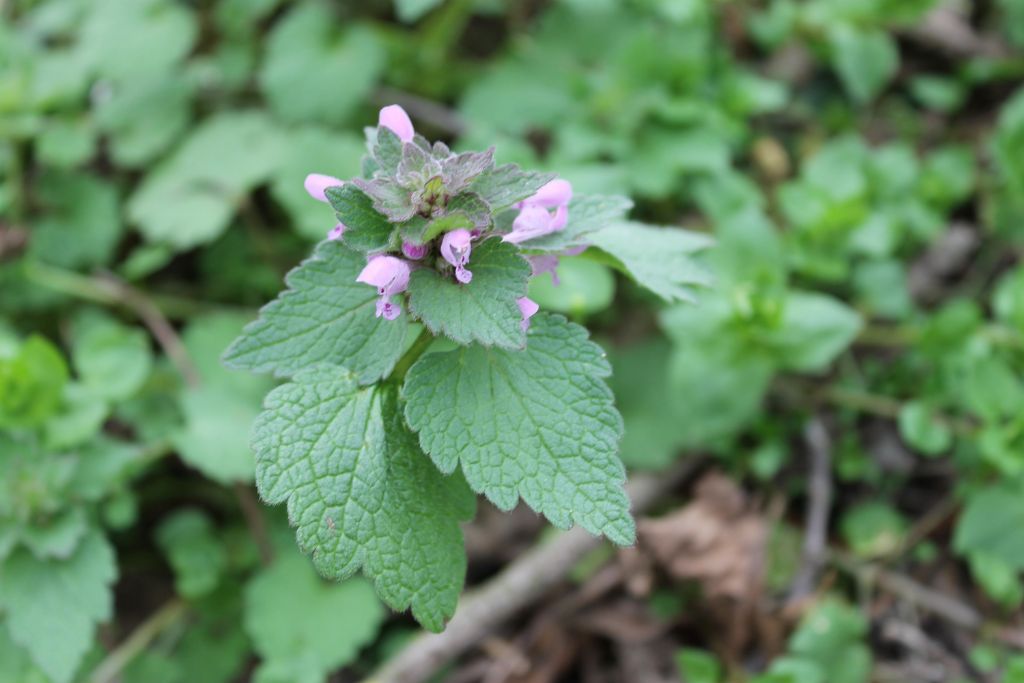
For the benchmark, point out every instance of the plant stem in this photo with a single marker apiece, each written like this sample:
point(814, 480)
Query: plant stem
point(417, 349)
point(139, 639)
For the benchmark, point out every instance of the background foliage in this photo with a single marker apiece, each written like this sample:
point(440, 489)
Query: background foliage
point(861, 172)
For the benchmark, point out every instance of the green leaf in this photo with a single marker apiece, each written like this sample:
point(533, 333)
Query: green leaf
point(587, 214)
point(31, 383)
point(323, 316)
point(865, 59)
point(503, 186)
point(112, 360)
point(649, 410)
point(52, 607)
point(873, 529)
point(365, 229)
point(308, 58)
point(814, 329)
point(190, 198)
point(198, 557)
point(313, 148)
point(923, 430)
point(832, 636)
point(538, 424)
point(360, 493)
point(584, 288)
point(140, 40)
point(57, 537)
point(83, 225)
point(300, 624)
point(698, 666)
point(219, 412)
point(983, 525)
point(144, 117)
point(483, 311)
point(656, 258)
point(411, 10)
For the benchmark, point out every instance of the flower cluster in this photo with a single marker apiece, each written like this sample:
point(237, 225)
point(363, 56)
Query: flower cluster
point(422, 193)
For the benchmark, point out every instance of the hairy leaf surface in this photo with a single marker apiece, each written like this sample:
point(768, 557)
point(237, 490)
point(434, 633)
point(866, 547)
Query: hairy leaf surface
point(537, 424)
point(323, 316)
point(360, 492)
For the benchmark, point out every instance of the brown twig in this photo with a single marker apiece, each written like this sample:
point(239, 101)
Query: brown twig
point(161, 329)
point(819, 504)
point(932, 601)
point(521, 583)
point(946, 30)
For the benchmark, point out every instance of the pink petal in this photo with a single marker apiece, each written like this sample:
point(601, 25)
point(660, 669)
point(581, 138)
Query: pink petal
point(560, 219)
point(556, 193)
point(388, 274)
point(455, 247)
point(532, 221)
point(336, 232)
point(395, 118)
point(544, 263)
point(528, 307)
point(317, 183)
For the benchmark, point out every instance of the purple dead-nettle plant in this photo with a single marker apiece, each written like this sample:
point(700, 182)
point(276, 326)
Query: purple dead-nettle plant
point(419, 373)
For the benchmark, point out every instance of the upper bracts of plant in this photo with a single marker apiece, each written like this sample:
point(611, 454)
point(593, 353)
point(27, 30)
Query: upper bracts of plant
point(379, 440)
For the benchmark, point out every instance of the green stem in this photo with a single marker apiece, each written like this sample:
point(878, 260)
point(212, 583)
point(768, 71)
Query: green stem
point(412, 355)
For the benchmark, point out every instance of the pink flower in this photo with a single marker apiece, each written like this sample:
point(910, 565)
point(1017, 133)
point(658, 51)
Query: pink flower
point(317, 183)
point(544, 263)
point(414, 252)
point(336, 232)
point(527, 307)
point(535, 218)
point(395, 118)
point(455, 248)
point(390, 276)
point(556, 193)
point(536, 221)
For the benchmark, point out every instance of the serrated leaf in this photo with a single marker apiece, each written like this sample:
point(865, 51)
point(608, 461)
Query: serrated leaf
point(297, 621)
point(52, 607)
point(460, 170)
point(503, 186)
point(366, 230)
point(416, 167)
point(656, 258)
point(539, 424)
point(387, 151)
point(483, 311)
point(58, 537)
point(323, 316)
point(389, 198)
point(587, 214)
point(360, 493)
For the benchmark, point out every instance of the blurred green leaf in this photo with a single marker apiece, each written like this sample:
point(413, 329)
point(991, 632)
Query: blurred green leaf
point(304, 628)
point(313, 72)
point(198, 557)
